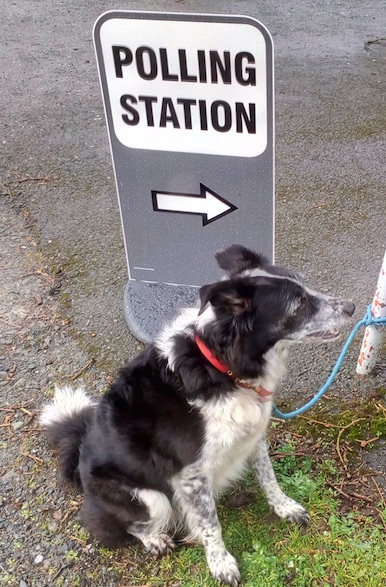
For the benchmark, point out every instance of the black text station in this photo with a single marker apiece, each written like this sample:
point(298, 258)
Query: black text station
point(199, 68)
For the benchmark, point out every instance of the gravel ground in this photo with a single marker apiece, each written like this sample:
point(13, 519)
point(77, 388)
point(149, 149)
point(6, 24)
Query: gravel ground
point(42, 543)
point(63, 265)
point(39, 541)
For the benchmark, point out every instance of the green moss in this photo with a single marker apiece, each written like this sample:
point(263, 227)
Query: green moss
point(72, 555)
point(378, 426)
point(361, 419)
point(79, 532)
point(65, 300)
point(9, 579)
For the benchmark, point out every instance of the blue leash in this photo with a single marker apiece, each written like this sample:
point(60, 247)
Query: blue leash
point(368, 320)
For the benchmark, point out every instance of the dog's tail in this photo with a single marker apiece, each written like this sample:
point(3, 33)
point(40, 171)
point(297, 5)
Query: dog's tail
point(66, 421)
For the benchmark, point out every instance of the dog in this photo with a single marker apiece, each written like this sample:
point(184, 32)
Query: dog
point(184, 418)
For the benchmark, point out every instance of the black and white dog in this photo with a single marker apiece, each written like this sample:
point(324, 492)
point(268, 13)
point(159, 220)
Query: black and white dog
point(184, 418)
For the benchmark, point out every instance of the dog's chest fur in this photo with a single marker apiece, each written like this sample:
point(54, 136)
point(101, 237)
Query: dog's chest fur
point(233, 426)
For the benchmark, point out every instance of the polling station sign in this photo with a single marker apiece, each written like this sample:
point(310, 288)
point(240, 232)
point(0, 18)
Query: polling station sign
point(189, 107)
point(186, 86)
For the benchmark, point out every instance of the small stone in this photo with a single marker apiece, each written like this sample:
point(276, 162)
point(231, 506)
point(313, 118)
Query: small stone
point(17, 425)
point(63, 548)
point(57, 515)
point(39, 558)
point(52, 526)
point(23, 584)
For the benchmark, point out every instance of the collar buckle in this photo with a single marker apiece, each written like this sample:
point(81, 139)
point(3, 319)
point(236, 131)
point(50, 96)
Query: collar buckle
point(264, 394)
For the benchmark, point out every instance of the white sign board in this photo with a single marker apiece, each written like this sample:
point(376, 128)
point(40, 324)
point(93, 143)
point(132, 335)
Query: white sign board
point(201, 88)
point(189, 107)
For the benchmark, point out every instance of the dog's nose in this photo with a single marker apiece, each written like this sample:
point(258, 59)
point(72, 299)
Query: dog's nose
point(349, 308)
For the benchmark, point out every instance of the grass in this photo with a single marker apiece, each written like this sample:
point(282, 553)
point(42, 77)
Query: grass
point(344, 546)
point(339, 549)
point(318, 462)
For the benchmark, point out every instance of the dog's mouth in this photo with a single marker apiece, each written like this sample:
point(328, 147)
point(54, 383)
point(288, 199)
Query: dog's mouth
point(332, 334)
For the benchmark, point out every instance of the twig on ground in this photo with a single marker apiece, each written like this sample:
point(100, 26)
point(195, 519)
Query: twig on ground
point(379, 40)
point(25, 411)
point(29, 456)
point(350, 495)
point(343, 429)
point(382, 517)
point(6, 189)
point(43, 179)
point(325, 424)
point(82, 369)
point(11, 371)
point(281, 455)
point(319, 205)
point(79, 540)
point(59, 571)
point(378, 489)
point(9, 323)
point(381, 407)
point(364, 443)
point(15, 408)
point(42, 274)
point(356, 472)
point(73, 507)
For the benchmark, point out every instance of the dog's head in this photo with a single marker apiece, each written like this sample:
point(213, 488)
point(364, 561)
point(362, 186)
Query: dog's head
point(261, 304)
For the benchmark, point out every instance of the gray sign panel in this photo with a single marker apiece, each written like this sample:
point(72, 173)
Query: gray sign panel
point(189, 107)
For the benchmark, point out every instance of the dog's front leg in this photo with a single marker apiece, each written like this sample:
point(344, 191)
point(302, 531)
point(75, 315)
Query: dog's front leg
point(283, 506)
point(195, 496)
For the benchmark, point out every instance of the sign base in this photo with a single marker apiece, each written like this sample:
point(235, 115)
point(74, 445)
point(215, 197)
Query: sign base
point(148, 306)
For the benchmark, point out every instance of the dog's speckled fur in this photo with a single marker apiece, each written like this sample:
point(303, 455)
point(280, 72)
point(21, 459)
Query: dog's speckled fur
point(173, 432)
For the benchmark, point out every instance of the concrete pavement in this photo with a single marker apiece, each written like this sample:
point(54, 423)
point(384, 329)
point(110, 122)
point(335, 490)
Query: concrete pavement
point(330, 158)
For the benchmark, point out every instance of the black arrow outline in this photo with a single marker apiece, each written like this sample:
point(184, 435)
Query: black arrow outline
point(204, 215)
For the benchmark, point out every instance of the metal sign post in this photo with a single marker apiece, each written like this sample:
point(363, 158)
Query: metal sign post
point(372, 340)
point(189, 107)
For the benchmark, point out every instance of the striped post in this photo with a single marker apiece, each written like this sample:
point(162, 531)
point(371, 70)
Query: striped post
point(372, 339)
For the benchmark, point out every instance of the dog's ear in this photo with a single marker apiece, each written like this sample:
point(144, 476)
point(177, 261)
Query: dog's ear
point(237, 258)
point(234, 297)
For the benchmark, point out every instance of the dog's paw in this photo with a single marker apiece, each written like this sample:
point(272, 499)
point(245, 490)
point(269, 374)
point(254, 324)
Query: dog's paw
point(288, 509)
point(223, 567)
point(159, 544)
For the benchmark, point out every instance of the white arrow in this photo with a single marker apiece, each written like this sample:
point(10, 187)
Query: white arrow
point(207, 204)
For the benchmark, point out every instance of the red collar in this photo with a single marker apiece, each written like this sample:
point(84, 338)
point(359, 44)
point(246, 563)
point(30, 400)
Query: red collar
point(211, 358)
point(263, 393)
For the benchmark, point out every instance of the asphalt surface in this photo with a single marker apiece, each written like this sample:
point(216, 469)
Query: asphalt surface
point(63, 269)
point(330, 153)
